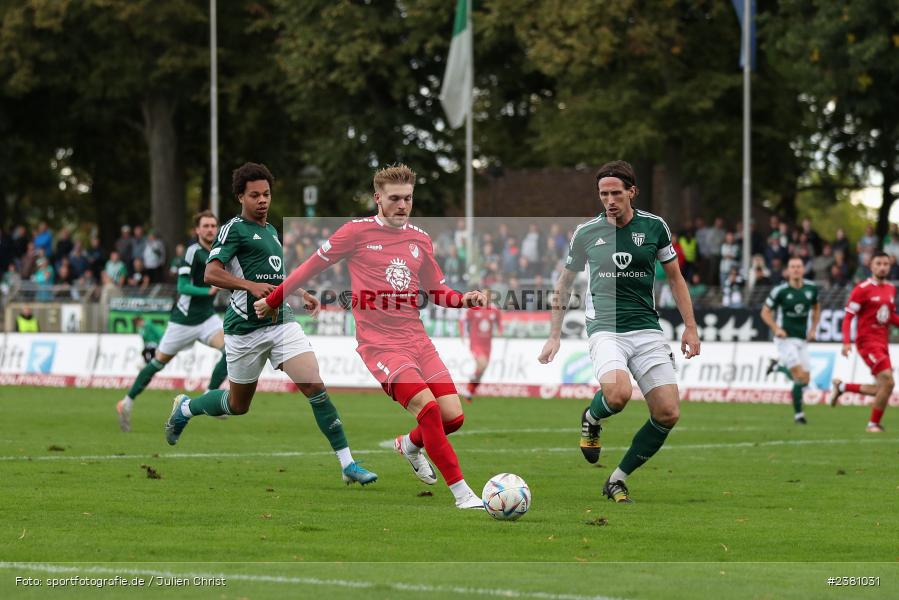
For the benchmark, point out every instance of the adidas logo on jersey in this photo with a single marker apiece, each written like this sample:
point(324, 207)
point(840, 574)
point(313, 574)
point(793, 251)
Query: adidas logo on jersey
point(375, 247)
point(256, 236)
point(600, 242)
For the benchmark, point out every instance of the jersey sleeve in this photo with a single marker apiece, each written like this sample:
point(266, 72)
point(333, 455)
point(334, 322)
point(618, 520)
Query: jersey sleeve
point(431, 275)
point(183, 267)
point(226, 245)
point(772, 301)
point(666, 252)
point(856, 299)
point(341, 244)
point(577, 253)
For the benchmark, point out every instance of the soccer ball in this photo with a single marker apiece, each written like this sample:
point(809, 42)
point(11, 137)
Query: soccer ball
point(506, 497)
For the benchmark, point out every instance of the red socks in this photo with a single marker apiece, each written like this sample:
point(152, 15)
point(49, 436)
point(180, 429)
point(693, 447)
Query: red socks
point(448, 428)
point(855, 388)
point(439, 450)
point(453, 424)
point(876, 414)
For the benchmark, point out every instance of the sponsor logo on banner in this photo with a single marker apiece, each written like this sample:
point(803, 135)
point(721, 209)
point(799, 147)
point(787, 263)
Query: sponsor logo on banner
point(577, 368)
point(822, 368)
point(622, 259)
point(40, 358)
point(275, 262)
point(725, 372)
point(638, 238)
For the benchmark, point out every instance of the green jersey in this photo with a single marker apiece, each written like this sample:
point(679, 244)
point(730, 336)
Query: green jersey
point(193, 308)
point(792, 306)
point(150, 333)
point(621, 263)
point(252, 252)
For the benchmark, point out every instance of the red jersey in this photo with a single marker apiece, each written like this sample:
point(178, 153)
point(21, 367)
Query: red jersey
point(480, 322)
point(392, 270)
point(875, 306)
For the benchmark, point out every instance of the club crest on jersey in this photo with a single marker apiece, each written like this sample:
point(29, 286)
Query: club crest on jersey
point(622, 259)
point(883, 314)
point(413, 249)
point(275, 262)
point(638, 238)
point(808, 295)
point(398, 275)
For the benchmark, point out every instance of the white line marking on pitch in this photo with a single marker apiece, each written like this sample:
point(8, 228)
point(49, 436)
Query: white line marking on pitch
point(387, 447)
point(344, 583)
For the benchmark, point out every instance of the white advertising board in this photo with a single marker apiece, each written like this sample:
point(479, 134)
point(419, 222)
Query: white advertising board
point(724, 372)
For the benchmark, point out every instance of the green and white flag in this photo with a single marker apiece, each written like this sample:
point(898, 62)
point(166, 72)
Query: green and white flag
point(455, 95)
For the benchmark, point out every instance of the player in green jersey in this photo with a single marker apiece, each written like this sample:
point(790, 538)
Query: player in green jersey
point(247, 258)
point(150, 333)
point(193, 318)
point(794, 302)
point(621, 247)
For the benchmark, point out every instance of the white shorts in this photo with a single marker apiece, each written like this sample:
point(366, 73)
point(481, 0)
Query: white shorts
point(247, 353)
point(178, 337)
point(644, 353)
point(793, 352)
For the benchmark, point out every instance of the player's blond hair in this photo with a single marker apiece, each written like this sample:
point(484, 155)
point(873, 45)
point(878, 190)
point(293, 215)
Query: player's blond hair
point(393, 174)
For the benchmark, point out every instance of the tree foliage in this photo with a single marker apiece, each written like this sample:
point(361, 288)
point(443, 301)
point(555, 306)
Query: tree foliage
point(120, 88)
point(845, 59)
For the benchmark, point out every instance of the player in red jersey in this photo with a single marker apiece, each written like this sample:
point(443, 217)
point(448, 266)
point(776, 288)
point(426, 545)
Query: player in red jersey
point(873, 301)
point(393, 272)
point(480, 323)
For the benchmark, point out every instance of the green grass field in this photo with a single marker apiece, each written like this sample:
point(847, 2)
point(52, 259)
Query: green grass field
point(741, 503)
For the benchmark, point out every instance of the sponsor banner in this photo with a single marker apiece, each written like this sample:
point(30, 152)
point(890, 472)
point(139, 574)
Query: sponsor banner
point(744, 325)
point(725, 372)
point(438, 321)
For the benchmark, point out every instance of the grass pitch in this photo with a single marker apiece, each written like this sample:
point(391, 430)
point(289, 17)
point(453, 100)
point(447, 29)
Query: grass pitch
point(741, 503)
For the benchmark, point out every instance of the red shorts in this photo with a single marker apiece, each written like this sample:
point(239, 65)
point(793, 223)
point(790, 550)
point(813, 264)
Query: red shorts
point(876, 355)
point(481, 349)
point(404, 371)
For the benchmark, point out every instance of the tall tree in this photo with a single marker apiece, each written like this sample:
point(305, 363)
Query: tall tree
point(362, 82)
point(154, 54)
point(658, 83)
point(845, 58)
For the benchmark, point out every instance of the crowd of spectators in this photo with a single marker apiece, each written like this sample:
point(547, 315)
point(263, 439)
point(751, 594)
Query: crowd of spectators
point(711, 255)
point(60, 267)
point(510, 257)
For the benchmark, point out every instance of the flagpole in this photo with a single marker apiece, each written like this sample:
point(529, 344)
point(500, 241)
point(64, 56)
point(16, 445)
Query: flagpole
point(747, 128)
point(213, 112)
point(469, 169)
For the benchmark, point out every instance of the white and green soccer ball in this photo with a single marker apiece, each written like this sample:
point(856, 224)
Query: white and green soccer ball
point(506, 497)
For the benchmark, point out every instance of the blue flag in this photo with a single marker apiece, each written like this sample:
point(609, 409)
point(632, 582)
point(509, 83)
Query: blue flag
point(738, 6)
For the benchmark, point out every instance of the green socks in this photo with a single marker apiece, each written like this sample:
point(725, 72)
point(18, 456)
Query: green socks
point(143, 378)
point(797, 397)
point(785, 371)
point(599, 408)
point(219, 373)
point(645, 444)
point(212, 403)
point(328, 420)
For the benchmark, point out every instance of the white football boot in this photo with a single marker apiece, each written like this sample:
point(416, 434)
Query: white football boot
point(420, 465)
